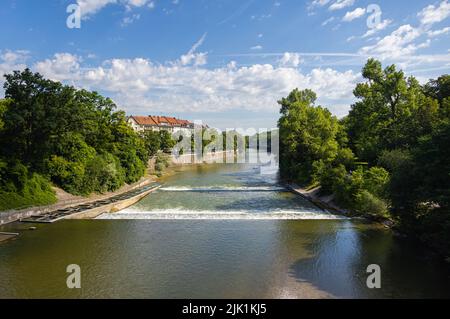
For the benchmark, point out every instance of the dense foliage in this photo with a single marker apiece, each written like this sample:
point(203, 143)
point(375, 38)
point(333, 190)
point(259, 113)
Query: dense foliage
point(73, 138)
point(388, 157)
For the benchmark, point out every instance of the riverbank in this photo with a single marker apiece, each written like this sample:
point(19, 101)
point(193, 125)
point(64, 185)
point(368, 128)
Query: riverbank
point(67, 201)
point(323, 202)
point(326, 202)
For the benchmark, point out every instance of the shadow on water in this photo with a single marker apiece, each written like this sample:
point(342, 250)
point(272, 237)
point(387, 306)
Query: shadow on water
point(336, 263)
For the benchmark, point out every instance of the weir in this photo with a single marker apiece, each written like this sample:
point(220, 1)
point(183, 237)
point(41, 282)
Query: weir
point(223, 193)
point(59, 214)
point(224, 189)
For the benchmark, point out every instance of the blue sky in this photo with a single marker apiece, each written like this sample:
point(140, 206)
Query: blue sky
point(223, 62)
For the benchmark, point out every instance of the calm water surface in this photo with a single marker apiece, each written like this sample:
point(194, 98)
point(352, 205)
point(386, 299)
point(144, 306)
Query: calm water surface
point(218, 231)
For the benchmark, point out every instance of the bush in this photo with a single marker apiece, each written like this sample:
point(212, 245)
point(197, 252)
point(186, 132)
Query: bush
point(368, 204)
point(328, 176)
point(132, 165)
point(162, 161)
point(20, 189)
point(376, 180)
point(391, 160)
point(69, 175)
point(362, 191)
point(104, 174)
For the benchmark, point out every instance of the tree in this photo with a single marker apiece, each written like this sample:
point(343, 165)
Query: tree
point(4, 104)
point(307, 134)
point(152, 142)
point(166, 141)
point(392, 112)
point(74, 137)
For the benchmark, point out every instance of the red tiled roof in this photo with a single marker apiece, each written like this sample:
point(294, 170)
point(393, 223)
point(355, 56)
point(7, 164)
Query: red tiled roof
point(144, 120)
point(158, 120)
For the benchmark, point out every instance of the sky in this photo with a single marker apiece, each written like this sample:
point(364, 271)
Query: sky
point(225, 62)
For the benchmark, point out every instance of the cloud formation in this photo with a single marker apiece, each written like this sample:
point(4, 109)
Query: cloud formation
point(141, 86)
point(352, 15)
point(400, 42)
point(434, 13)
point(91, 7)
point(341, 4)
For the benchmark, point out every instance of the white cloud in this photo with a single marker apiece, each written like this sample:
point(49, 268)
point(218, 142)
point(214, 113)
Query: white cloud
point(327, 21)
point(316, 3)
point(433, 14)
point(436, 33)
point(378, 27)
point(192, 57)
point(129, 20)
point(352, 15)
point(290, 59)
point(91, 7)
point(319, 3)
point(14, 57)
point(137, 3)
point(58, 67)
point(256, 47)
point(142, 87)
point(341, 4)
point(398, 43)
point(11, 61)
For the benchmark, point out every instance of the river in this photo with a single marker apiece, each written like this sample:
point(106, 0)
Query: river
point(217, 231)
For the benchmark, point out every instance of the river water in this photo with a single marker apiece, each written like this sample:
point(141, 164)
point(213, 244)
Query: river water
point(218, 231)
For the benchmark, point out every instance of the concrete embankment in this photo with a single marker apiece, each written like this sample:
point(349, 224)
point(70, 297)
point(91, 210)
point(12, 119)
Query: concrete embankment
point(327, 203)
point(6, 236)
point(16, 215)
point(111, 208)
point(193, 159)
point(323, 202)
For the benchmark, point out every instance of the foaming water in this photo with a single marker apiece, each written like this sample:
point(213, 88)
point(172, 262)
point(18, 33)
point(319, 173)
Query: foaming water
point(224, 189)
point(184, 214)
point(223, 193)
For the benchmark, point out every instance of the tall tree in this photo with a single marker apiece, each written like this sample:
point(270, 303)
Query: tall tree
point(307, 134)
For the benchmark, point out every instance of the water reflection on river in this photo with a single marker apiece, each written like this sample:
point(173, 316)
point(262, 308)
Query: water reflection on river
point(316, 256)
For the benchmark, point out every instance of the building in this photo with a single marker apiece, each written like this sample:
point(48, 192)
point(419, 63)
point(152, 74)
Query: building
point(158, 123)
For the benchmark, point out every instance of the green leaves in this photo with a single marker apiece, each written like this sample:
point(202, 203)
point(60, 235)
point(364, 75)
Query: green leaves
point(74, 137)
point(307, 134)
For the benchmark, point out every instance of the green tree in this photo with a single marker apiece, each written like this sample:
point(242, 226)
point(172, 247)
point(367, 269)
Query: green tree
point(152, 142)
point(392, 112)
point(166, 141)
point(307, 134)
point(74, 137)
point(4, 104)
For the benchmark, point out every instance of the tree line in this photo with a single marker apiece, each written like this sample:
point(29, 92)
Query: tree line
point(389, 158)
point(55, 134)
